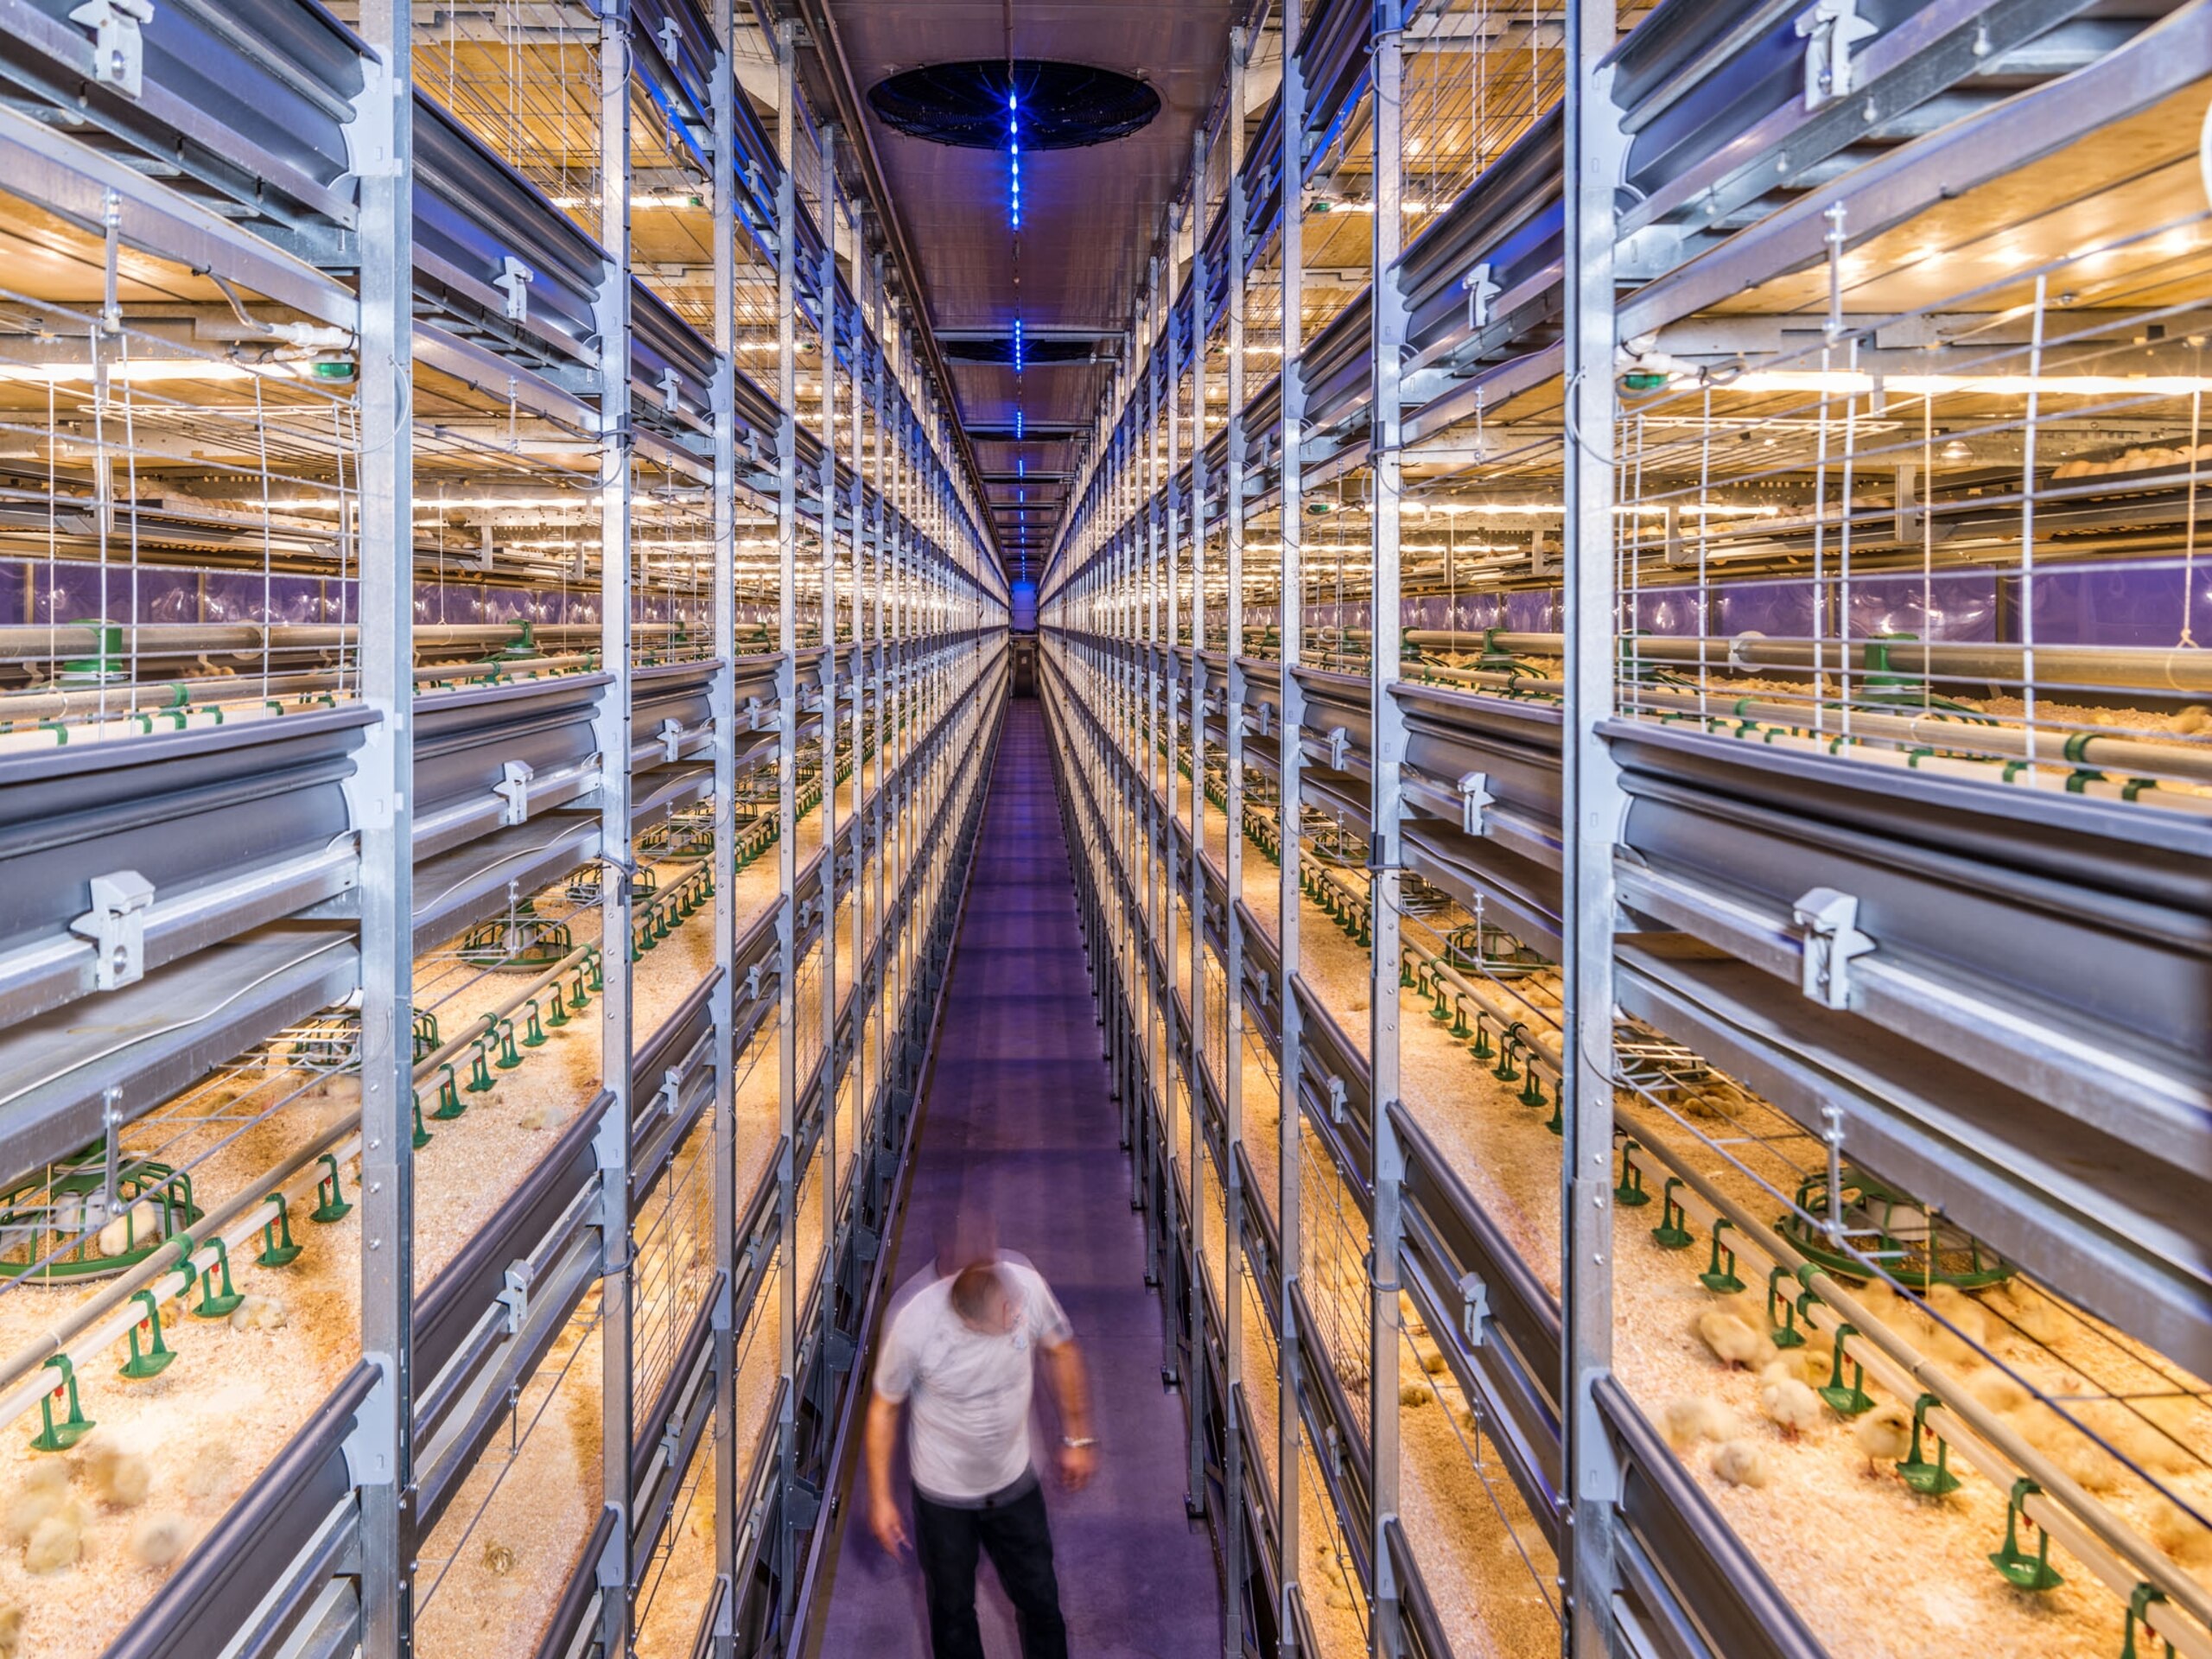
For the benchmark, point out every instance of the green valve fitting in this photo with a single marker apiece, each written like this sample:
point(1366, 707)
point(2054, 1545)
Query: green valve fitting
point(1673, 1232)
point(1847, 1399)
point(420, 1137)
point(277, 1250)
point(1719, 1275)
point(449, 1104)
point(2021, 1570)
point(331, 1203)
point(60, 1437)
point(2139, 1613)
point(510, 1056)
point(557, 1015)
point(534, 1035)
point(1481, 1048)
point(216, 1304)
point(1532, 1091)
point(1785, 1335)
point(1460, 1031)
point(1929, 1479)
point(479, 1070)
point(1630, 1194)
point(153, 1359)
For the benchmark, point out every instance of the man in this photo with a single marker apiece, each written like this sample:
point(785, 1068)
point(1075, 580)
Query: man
point(962, 1355)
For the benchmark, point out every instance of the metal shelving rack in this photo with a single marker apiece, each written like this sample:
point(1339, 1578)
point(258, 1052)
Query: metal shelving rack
point(491, 563)
point(1794, 859)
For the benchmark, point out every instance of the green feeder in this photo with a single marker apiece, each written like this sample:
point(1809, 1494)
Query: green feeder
point(1630, 1194)
point(277, 1250)
point(1441, 1010)
point(1459, 1019)
point(60, 1437)
point(449, 1105)
point(1929, 1479)
point(1406, 981)
point(153, 1359)
point(1555, 1124)
point(421, 1138)
point(579, 999)
point(1672, 1233)
point(426, 1033)
point(479, 1070)
point(1532, 1090)
point(510, 1056)
point(216, 1304)
point(534, 1035)
point(598, 981)
point(2139, 1613)
point(2021, 1570)
point(1361, 935)
point(330, 1201)
point(1481, 1049)
point(1719, 1275)
point(1785, 1335)
point(1847, 1399)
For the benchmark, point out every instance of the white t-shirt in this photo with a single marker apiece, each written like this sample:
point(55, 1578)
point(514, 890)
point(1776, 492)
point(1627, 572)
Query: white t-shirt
point(969, 1427)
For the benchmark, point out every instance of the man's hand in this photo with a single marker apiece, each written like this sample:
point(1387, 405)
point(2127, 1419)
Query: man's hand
point(890, 1531)
point(1077, 1465)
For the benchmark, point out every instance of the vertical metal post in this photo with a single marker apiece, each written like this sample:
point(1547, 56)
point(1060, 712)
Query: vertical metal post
point(384, 123)
point(787, 1122)
point(1591, 814)
point(1232, 1080)
point(722, 1006)
point(1290, 633)
point(1195, 1394)
point(612, 734)
point(863, 355)
point(826, 495)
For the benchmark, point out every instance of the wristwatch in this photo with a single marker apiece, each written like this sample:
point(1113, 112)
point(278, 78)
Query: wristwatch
point(1078, 1442)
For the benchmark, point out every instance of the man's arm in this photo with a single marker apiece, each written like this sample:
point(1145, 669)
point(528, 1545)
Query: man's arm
point(1071, 1391)
point(882, 1435)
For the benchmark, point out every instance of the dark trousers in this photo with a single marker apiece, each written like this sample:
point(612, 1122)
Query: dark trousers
point(1013, 1532)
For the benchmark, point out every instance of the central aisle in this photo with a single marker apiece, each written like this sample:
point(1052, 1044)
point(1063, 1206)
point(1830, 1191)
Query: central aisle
point(1018, 1124)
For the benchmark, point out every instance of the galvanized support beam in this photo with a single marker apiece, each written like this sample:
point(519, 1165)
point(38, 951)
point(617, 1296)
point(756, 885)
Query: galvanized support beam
point(1591, 814)
point(722, 1448)
point(1386, 849)
point(826, 503)
point(787, 691)
point(612, 734)
point(1194, 1396)
point(384, 126)
point(1290, 633)
point(1232, 1080)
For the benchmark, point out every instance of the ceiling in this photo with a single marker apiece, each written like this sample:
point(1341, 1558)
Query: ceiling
point(1089, 215)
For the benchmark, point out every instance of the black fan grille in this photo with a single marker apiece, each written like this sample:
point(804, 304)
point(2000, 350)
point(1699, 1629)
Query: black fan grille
point(1063, 105)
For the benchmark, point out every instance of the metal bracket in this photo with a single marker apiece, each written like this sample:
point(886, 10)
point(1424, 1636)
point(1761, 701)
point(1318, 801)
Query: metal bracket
point(672, 737)
point(671, 387)
point(118, 47)
point(1474, 1308)
point(1474, 796)
point(1830, 28)
point(513, 788)
point(369, 1443)
point(671, 41)
point(1339, 742)
point(1482, 294)
point(117, 927)
point(1335, 1086)
point(514, 281)
point(670, 1091)
point(516, 1297)
point(1829, 921)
